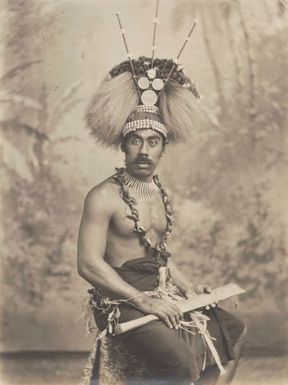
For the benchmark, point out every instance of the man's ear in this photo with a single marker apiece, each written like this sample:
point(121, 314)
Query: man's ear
point(163, 148)
point(123, 146)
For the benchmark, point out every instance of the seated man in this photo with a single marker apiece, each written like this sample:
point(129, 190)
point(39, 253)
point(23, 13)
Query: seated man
point(127, 219)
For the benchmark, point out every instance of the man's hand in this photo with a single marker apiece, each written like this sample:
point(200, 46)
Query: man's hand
point(166, 311)
point(199, 289)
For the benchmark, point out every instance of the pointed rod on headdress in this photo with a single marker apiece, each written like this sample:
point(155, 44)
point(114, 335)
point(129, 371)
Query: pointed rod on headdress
point(122, 31)
point(155, 22)
point(176, 60)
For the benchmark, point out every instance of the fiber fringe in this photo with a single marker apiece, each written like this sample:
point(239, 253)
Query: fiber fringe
point(117, 97)
point(110, 107)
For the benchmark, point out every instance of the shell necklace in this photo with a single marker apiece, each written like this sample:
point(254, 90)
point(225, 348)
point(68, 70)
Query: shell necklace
point(140, 188)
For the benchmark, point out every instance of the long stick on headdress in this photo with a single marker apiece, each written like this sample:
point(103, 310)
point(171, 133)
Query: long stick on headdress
point(155, 22)
point(122, 31)
point(139, 92)
point(180, 52)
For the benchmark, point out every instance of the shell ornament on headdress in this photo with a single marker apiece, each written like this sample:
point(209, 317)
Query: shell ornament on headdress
point(144, 93)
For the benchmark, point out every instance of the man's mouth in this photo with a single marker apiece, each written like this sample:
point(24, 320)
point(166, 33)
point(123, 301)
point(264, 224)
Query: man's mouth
point(143, 161)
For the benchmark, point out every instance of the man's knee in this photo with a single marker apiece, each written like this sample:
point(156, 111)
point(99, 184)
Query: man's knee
point(244, 332)
point(243, 336)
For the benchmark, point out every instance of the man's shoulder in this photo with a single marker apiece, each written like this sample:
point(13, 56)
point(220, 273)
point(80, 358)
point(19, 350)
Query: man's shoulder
point(102, 196)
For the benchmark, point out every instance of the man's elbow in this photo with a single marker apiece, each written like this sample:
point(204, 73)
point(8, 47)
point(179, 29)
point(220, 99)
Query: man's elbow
point(83, 270)
point(90, 272)
point(83, 267)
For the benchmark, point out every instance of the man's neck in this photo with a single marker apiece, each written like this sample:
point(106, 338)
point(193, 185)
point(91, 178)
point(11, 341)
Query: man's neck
point(138, 187)
point(146, 179)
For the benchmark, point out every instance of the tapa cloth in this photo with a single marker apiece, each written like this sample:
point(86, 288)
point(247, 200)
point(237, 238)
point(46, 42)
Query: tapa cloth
point(153, 353)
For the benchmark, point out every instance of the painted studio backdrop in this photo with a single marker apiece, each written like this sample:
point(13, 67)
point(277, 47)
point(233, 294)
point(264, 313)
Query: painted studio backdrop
point(228, 182)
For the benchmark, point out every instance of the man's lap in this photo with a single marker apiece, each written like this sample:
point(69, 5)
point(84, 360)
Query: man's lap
point(177, 350)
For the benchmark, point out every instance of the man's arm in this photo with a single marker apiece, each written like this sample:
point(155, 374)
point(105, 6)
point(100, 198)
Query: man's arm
point(97, 213)
point(178, 277)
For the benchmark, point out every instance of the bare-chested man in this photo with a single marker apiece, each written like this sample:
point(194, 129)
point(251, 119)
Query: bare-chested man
point(141, 105)
point(120, 252)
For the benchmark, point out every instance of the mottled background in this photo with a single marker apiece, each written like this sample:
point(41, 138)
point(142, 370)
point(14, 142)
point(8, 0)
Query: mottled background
point(229, 183)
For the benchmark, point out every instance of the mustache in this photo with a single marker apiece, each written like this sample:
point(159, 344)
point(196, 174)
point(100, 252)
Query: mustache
point(143, 159)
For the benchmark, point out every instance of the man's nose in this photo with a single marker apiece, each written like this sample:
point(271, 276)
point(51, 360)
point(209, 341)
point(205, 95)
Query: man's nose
point(144, 149)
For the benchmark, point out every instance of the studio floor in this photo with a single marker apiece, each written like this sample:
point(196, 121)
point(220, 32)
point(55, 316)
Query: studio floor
point(41, 368)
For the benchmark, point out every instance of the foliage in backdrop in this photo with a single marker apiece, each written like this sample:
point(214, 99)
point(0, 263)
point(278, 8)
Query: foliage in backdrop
point(236, 178)
point(229, 195)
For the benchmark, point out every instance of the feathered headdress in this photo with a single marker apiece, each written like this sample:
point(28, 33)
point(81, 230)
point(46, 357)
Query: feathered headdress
point(144, 93)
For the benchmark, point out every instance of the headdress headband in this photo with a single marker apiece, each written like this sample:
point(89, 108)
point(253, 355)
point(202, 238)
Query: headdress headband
point(144, 93)
point(143, 117)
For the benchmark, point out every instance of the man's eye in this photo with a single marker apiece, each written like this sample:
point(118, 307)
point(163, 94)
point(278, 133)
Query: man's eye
point(153, 143)
point(135, 141)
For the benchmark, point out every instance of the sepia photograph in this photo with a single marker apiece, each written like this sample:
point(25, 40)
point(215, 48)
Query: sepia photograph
point(144, 184)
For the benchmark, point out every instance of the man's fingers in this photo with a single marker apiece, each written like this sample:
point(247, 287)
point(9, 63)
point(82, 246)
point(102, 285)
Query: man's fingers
point(166, 320)
point(200, 289)
point(174, 307)
point(173, 321)
point(177, 310)
point(207, 289)
point(170, 314)
point(177, 320)
point(191, 294)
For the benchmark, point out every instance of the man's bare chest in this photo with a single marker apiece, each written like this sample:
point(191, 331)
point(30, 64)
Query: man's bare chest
point(151, 216)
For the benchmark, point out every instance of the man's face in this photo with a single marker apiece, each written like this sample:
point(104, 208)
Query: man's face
point(143, 149)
